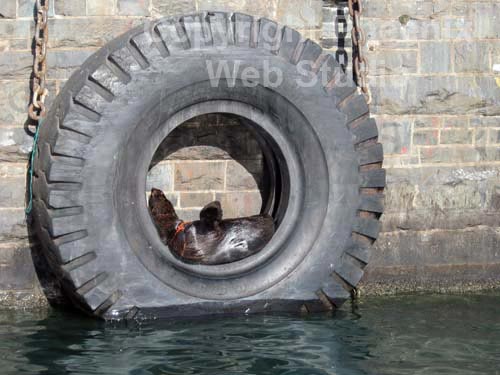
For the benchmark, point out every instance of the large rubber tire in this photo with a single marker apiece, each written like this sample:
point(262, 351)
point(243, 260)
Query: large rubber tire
point(95, 146)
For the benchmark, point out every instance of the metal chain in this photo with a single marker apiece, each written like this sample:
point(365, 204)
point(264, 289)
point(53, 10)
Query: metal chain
point(360, 64)
point(36, 109)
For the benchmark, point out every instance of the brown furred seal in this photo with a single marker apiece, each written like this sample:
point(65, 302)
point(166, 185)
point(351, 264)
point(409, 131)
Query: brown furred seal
point(210, 240)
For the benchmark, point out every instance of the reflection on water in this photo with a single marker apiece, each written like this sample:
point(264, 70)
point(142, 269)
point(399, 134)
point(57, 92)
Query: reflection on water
point(405, 335)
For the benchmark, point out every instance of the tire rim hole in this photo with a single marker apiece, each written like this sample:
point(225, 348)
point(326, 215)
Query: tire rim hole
point(223, 157)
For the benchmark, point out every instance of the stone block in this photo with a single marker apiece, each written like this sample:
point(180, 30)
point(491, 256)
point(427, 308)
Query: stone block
point(210, 138)
point(173, 7)
point(13, 45)
point(393, 62)
point(19, 44)
point(87, 32)
point(18, 29)
point(457, 136)
point(70, 8)
point(399, 197)
point(422, 29)
point(13, 192)
point(376, 8)
point(486, 19)
point(173, 197)
point(442, 94)
point(14, 102)
point(258, 8)
point(12, 225)
point(456, 122)
point(494, 136)
point(428, 122)
point(16, 268)
point(240, 204)
point(332, 45)
point(333, 26)
point(63, 63)
point(471, 57)
point(459, 8)
point(443, 175)
point(457, 28)
point(304, 14)
point(436, 219)
point(440, 198)
point(13, 170)
point(495, 55)
point(188, 214)
point(484, 86)
point(484, 122)
point(466, 195)
point(383, 29)
point(244, 174)
point(480, 137)
point(435, 57)
point(8, 9)
point(15, 145)
point(199, 176)
point(100, 7)
point(462, 154)
point(393, 45)
point(16, 65)
point(425, 137)
point(195, 200)
point(395, 135)
point(435, 247)
point(26, 8)
point(204, 152)
point(420, 9)
point(331, 13)
point(441, 8)
point(400, 161)
point(160, 177)
point(404, 28)
point(494, 200)
point(387, 92)
point(133, 7)
point(336, 21)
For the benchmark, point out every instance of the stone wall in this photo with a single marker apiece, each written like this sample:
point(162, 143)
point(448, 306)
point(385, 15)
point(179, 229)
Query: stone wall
point(212, 157)
point(435, 77)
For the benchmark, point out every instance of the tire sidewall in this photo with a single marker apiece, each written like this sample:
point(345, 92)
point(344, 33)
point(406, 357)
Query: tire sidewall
point(326, 173)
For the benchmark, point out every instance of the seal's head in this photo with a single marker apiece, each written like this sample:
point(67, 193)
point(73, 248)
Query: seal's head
point(211, 214)
point(163, 213)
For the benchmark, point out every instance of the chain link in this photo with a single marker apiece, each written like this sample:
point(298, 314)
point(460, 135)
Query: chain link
point(360, 64)
point(37, 109)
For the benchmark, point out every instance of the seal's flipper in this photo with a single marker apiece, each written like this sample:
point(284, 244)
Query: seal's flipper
point(211, 213)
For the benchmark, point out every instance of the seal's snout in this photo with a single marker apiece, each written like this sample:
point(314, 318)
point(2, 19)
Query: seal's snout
point(160, 205)
point(156, 193)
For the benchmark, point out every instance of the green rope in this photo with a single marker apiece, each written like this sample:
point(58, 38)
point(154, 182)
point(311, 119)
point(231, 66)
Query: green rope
point(30, 172)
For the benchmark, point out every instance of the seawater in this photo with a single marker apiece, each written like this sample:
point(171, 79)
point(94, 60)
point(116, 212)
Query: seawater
point(457, 334)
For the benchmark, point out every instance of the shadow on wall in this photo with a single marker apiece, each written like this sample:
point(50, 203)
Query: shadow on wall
point(211, 157)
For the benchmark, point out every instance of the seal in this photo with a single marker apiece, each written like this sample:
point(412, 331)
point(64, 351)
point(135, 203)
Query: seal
point(210, 240)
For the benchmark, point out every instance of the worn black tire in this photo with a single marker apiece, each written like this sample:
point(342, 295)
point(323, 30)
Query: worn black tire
point(107, 121)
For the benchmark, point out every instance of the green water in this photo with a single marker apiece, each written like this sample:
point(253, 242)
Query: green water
point(404, 335)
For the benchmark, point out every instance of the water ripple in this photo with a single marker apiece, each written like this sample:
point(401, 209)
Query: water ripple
point(408, 335)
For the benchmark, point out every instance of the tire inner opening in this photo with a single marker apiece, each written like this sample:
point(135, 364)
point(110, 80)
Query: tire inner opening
point(216, 165)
